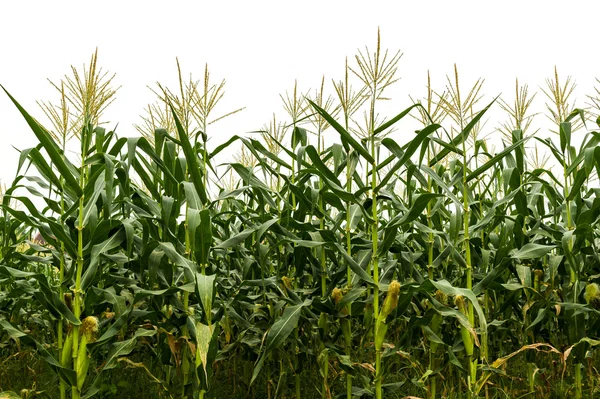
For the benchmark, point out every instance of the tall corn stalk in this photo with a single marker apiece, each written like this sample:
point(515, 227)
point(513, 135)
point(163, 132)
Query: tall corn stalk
point(459, 110)
point(377, 72)
point(350, 102)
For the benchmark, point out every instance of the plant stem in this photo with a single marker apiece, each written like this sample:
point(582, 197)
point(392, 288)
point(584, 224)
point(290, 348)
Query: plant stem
point(472, 363)
point(375, 238)
point(77, 303)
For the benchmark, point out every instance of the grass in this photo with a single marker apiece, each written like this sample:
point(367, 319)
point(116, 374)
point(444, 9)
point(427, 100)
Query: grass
point(26, 370)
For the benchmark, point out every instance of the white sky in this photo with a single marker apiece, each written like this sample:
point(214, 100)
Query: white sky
point(260, 47)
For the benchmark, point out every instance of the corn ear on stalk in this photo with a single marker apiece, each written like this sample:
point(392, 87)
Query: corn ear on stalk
point(89, 328)
point(460, 302)
point(389, 305)
point(337, 295)
point(67, 349)
point(592, 295)
point(391, 300)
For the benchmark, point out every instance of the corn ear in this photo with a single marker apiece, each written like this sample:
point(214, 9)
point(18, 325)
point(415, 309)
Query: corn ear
point(391, 300)
point(83, 362)
point(67, 349)
point(89, 327)
point(592, 295)
point(459, 301)
point(380, 331)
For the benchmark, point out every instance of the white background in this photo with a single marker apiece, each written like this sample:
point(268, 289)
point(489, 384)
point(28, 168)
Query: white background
point(260, 48)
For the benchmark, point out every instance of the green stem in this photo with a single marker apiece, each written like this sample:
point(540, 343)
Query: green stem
point(61, 290)
point(186, 297)
point(78, 295)
point(578, 382)
point(573, 272)
point(375, 238)
point(472, 363)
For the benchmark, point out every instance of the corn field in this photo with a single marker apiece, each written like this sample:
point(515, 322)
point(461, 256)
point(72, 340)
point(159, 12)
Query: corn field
point(380, 262)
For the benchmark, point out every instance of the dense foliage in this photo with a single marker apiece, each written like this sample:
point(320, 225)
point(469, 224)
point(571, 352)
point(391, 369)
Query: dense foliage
point(436, 268)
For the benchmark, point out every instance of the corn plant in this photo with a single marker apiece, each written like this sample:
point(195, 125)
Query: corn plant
point(339, 254)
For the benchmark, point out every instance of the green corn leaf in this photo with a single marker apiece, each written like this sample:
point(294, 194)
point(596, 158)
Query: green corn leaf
point(236, 239)
point(51, 148)
point(404, 157)
point(97, 250)
point(191, 195)
point(354, 266)
point(205, 286)
point(279, 332)
point(495, 160)
point(123, 348)
point(191, 158)
point(204, 336)
point(462, 136)
point(532, 251)
point(347, 138)
point(396, 118)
